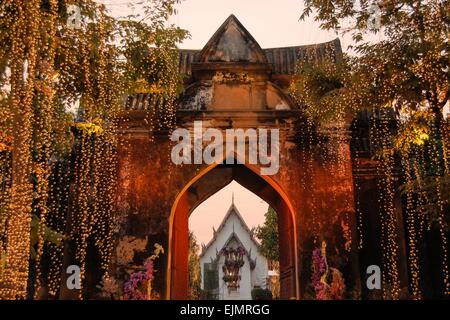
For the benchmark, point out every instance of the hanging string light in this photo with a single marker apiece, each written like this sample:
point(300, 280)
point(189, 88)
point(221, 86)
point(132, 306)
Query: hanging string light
point(413, 237)
point(24, 32)
point(438, 171)
point(389, 224)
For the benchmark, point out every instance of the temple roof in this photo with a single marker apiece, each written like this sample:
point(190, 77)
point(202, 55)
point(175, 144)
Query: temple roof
point(231, 211)
point(232, 43)
point(225, 46)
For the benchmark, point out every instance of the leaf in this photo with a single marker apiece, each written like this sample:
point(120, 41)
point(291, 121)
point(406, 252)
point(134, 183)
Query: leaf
point(49, 235)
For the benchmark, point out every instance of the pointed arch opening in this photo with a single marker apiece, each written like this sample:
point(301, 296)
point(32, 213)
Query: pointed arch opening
point(201, 187)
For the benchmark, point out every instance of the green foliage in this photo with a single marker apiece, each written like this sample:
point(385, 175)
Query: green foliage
point(194, 268)
point(148, 45)
point(268, 235)
point(415, 132)
point(49, 235)
point(407, 68)
point(426, 187)
point(320, 88)
point(80, 74)
point(100, 62)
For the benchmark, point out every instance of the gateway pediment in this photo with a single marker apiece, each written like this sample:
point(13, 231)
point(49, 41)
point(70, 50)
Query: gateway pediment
point(232, 43)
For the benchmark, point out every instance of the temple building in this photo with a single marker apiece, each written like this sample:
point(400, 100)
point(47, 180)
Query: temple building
point(231, 265)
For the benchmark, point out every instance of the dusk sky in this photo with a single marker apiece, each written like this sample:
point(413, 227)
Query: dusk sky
point(211, 212)
point(272, 23)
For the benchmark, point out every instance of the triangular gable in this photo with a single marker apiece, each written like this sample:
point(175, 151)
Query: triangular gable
point(235, 237)
point(232, 43)
point(232, 210)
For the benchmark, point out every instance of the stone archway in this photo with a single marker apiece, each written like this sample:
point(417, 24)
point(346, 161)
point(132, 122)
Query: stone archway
point(201, 187)
point(237, 89)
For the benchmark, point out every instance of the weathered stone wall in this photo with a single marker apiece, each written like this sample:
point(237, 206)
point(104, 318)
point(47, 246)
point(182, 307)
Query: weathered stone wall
point(317, 180)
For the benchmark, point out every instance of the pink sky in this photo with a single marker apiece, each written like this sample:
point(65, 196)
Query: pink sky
point(272, 23)
point(211, 212)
